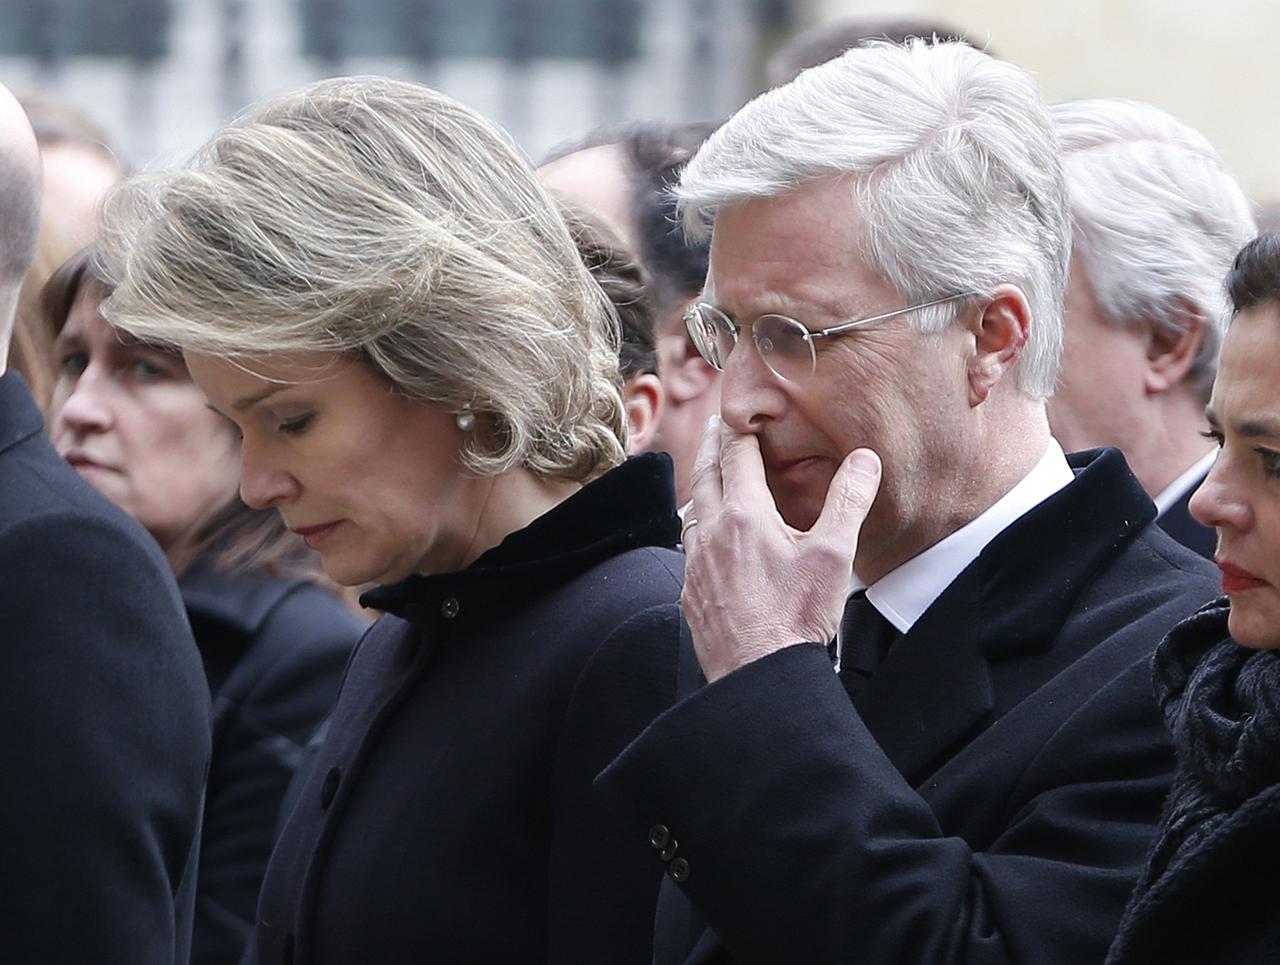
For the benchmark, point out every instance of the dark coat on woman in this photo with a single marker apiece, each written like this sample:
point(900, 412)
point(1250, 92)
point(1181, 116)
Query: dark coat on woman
point(104, 720)
point(273, 652)
point(450, 816)
point(1211, 889)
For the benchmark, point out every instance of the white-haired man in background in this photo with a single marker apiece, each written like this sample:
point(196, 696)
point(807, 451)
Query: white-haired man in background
point(979, 778)
point(1157, 220)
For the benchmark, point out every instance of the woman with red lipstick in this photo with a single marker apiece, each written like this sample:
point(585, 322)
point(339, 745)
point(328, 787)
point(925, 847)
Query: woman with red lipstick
point(127, 416)
point(1210, 893)
point(368, 279)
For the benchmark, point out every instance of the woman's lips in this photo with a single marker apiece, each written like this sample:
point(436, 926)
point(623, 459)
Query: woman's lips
point(85, 464)
point(1236, 580)
point(314, 536)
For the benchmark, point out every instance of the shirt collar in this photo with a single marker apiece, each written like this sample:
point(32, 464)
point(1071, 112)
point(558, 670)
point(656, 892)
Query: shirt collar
point(1188, 480)
point(903, 594)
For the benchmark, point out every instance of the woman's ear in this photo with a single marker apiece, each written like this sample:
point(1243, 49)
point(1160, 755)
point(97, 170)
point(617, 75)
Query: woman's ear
point(643, 397)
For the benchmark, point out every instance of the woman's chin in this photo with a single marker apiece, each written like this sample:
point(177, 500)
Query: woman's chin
point(1254, 626)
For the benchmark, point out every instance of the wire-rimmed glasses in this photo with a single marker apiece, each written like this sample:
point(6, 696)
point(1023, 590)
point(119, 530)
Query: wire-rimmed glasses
point(785, 345)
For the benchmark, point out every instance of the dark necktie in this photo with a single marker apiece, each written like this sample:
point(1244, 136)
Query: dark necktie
point(865, 638)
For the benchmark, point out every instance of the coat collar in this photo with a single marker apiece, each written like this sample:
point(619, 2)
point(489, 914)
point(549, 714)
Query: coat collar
point(241, 601)
point(626, 508)
point(19, 417)
point(935, 687)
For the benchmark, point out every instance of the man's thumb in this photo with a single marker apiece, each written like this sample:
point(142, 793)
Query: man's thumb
point(852, 491)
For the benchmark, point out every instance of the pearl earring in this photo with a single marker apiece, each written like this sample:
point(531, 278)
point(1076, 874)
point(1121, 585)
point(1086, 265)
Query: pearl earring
point(466, 419)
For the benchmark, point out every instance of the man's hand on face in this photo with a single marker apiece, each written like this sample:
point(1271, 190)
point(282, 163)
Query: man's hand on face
point(754, 585)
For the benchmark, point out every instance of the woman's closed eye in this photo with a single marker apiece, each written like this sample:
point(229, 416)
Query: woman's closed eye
point(295, 426)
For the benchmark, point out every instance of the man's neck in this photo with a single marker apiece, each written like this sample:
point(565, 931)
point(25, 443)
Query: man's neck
point(1000, 457)
point(1170, 444)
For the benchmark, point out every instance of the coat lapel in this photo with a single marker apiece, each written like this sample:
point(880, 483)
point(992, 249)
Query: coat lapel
point(934, 690)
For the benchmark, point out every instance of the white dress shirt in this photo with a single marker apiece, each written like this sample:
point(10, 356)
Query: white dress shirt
point(1188, 480)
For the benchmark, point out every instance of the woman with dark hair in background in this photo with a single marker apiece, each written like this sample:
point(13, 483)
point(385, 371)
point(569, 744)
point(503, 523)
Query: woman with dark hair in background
point(369, 280)
point(1209, 892)
point(127, 416)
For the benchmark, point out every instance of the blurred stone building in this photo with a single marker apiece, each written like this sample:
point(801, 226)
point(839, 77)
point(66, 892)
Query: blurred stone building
point(161, 74)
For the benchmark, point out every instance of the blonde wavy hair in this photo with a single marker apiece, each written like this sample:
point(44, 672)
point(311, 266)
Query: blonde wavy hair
point(384, 220)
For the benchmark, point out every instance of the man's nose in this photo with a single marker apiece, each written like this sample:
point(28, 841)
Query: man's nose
point(750, 394)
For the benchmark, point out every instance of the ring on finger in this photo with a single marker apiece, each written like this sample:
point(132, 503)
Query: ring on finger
point(689, 524)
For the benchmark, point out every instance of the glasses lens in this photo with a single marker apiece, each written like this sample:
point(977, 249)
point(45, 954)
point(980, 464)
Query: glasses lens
point(785, 346)
point(712, 333)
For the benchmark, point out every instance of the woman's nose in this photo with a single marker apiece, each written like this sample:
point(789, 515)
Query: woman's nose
point(88, 408)
point(1220, 501)
point(264, 485)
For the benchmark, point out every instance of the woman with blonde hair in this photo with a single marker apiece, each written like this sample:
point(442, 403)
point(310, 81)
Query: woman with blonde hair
point(273, 641)
point(368, 280)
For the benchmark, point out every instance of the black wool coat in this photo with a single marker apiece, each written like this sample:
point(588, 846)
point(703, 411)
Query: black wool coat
point(449, 815)
point(1211, 890)
point(104, 720)
point(273, 651)
point(987, 798)
point(1178, 522)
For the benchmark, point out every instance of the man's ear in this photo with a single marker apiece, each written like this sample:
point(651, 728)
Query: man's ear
point(643, 397)
point(685, 374)
point(1172, 349)
point(1000, 327)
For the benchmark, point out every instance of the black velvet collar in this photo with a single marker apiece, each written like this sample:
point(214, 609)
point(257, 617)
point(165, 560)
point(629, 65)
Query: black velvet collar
point(629, 507)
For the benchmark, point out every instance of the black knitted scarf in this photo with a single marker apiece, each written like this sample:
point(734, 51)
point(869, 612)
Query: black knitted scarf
point(1221, 703)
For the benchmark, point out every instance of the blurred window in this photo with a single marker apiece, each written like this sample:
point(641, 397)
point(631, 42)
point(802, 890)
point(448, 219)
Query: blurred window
point(600, 30)
point(50, 30)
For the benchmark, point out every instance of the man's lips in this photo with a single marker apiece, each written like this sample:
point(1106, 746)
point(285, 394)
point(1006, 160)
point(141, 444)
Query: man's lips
point(783, 467)
point(1237, 580)
point(313, 536)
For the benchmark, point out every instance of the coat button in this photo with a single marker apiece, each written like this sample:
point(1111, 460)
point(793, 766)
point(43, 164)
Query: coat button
point(679, 870)
point(330, 787)
point(449, 608)
point(669, 852)
point(659, 835)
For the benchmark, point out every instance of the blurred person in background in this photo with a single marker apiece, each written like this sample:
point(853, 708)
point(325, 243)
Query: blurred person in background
point(1156, 221)
point(104, 710)
point(626, 285)
point(827, 41)
point(1208, 893)
point(80, 166)
point(625, 174)
point(366, 277)
point(127, 416)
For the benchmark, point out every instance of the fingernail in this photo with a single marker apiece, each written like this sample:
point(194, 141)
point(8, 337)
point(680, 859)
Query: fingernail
point(713, 422)
point(865, 462)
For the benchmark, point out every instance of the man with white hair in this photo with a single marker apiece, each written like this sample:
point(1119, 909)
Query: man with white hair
point(104, 708)
point(1157, 220)
point(979, 778)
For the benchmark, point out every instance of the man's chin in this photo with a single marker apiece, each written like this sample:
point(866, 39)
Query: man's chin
point(799, 514)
